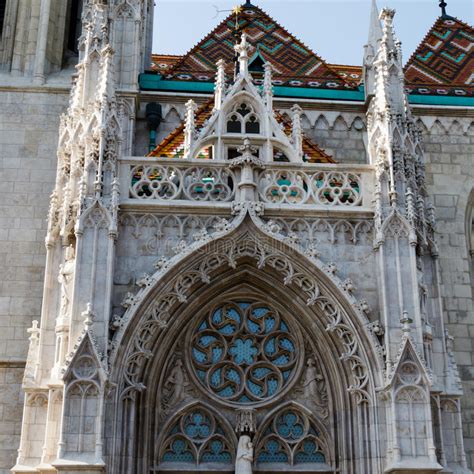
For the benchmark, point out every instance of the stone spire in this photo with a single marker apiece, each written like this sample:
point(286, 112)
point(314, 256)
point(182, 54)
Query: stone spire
point(371, 48)
point(220, 86)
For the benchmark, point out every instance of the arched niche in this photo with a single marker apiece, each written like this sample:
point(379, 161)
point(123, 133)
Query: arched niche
point(247, 264)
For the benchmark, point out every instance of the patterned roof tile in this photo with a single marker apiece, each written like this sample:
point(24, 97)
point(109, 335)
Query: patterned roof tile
point(443, 63)
point(293, 62)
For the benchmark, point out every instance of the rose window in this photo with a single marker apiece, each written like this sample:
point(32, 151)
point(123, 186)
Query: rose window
point(244, 352)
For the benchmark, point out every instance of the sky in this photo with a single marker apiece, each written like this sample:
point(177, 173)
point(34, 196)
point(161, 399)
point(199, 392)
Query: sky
point(335, 29)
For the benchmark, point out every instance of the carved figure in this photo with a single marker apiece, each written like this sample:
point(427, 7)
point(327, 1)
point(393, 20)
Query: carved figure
point(244, 459)
point(66, 271)
point(311, 379)
point(176, 383)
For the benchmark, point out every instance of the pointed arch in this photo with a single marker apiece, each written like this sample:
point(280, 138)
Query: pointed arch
point(340, 124)
point(241, 262)
point(321, 123)
point(290, 434)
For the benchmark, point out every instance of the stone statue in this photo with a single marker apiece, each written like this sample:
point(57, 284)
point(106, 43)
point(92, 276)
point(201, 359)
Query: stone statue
point(311, 379)
point(176, 383)
point(66, 272)
point(243, 463)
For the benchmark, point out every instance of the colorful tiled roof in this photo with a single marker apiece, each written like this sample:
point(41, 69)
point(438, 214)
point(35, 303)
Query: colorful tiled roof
point(163, 62)
point(349, 73)
point(293, 62)
point(173, 145)
point(443, 63)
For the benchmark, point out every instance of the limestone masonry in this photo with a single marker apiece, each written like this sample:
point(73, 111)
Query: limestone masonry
point(243, 259)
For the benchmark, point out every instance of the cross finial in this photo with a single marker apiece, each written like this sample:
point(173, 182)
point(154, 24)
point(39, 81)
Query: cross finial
point(443, 5)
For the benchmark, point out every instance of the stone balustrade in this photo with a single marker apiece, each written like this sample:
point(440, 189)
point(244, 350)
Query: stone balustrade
point(280, 185)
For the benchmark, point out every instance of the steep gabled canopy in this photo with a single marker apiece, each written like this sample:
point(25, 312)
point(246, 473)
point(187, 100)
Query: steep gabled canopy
point(173, 145)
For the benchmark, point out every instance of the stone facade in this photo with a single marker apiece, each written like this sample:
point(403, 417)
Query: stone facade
point(127, 268)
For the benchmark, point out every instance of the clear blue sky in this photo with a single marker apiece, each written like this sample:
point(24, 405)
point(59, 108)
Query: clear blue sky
point(335, 29)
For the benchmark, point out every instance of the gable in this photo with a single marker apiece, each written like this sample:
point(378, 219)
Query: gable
point(444, 62)
point(294, 64)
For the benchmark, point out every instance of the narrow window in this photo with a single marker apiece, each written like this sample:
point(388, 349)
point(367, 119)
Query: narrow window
point(252, 125)
point(74, 27)
point(234, 125)
point(3, 6)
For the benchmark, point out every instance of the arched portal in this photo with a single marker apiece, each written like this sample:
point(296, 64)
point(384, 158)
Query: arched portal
point(244, 335)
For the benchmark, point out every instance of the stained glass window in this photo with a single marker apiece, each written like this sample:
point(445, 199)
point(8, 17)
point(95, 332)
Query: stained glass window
point(243, 352)
point(197, 437)
point(290, 438)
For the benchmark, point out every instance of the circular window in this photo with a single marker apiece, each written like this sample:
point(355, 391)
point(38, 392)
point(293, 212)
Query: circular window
point(243, 352)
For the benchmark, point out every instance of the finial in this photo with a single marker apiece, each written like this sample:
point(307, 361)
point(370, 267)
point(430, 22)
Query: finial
point(248, 3)
point(88, 316)
point(406, 323)
point(242, 50)
point(219, 84)
point(268, 86)
point(190, 126)
point(443, 5)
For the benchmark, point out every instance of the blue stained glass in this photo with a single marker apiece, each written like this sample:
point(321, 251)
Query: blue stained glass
point(180, 452)
point(270, 347)
point(243, 305)
point(284, 327)
point(233, 375)
point(201, 374)
point(243, 351)
point(216, 377)
point(199, 356)
point(254, 388)
point(287, 344)
point(217, 354)
point(260, 372)
point(282, 360)
point(234, 335)
point(259, 312)
point(217, 316)
point(272, 386)
point(269, 324)
point(206, 340)
point(309, 453)
point(228, 329)
point(198, 426)
point(226, 392)
point(289, 426)
point(254, 328)
point(244, 399)
point(272, 452)
point(216, 453)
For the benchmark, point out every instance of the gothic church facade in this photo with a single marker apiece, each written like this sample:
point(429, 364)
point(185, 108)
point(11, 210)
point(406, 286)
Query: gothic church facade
point(243, 259)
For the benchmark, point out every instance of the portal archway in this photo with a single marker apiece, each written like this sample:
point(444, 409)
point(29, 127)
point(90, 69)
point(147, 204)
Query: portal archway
point(328, 364)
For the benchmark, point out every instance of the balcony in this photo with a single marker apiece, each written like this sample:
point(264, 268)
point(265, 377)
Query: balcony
point(213, 185)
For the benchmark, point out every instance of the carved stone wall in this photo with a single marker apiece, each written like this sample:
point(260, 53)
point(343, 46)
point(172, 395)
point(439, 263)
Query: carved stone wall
point(449, 144)
point(28, 140)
